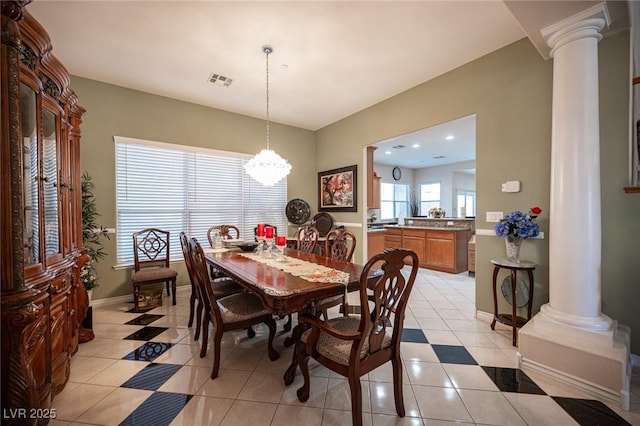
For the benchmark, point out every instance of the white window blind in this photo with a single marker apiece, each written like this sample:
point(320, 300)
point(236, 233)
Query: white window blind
point(179, 188)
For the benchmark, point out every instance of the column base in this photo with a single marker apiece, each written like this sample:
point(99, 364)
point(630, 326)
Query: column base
point(596, 362)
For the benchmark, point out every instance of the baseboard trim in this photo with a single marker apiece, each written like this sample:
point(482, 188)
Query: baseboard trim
point(128, 298)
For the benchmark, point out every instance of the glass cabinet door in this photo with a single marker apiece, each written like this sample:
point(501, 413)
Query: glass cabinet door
point(31, 236)
point(50, 182)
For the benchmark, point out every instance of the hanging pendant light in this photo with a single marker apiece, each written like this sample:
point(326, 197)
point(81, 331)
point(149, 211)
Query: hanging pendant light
point(267, 167)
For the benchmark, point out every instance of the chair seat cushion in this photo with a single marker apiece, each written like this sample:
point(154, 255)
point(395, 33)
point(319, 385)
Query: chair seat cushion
point(240, 307)
point(224, 287)
point(338, 350)
point(153, 274)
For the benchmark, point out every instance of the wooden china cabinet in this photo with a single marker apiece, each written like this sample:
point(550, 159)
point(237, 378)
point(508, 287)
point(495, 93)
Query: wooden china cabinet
point(43, 300)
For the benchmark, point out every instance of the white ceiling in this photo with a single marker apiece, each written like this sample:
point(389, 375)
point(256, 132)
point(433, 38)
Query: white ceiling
point(331, 59)
point(340, 56)
point(447, 143)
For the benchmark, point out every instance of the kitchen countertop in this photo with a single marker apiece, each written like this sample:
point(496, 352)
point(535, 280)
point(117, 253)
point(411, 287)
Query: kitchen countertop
point(371, 230)
point(429, 228)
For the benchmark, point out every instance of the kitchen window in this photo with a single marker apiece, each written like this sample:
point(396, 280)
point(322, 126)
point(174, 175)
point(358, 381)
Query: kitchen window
point(182, 188)
point(429, 197)
point(394, 201)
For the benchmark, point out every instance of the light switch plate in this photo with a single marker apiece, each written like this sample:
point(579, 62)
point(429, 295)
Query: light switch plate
point(494, 216)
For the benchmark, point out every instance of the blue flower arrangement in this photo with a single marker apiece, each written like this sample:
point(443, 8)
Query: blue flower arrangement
point(519, 225)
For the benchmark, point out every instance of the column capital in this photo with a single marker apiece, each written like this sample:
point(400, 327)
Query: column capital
point(588, 23)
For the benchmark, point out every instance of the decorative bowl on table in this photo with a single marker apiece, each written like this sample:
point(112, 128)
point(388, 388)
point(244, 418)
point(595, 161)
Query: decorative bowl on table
point(244, 245)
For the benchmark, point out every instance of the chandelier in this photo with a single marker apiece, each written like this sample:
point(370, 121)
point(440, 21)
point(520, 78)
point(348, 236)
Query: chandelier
point(267, 167)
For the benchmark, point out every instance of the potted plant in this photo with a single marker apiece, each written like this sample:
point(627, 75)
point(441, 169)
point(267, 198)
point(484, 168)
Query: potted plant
point(92, 234)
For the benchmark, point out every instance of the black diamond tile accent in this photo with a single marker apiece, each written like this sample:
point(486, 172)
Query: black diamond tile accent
point(512, 380)
point(146, 333)
point(449, 354)
point(588, 412)
point(152, 376)
point(158, 410)
point(144, 319)
point(148, 352)
point(414, 335)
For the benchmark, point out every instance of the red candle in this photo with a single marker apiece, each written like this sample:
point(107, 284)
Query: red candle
point(269, 232)
point(281, 240)
point(260, 230)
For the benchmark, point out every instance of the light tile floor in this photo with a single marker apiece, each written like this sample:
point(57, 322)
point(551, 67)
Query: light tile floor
point(146, 370)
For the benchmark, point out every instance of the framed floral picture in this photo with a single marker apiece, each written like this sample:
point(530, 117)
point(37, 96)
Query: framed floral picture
point(337, 190)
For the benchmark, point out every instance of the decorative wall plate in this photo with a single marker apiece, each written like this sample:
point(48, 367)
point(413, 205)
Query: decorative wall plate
point(298, 211)
point(323, 222)
point(522, 291)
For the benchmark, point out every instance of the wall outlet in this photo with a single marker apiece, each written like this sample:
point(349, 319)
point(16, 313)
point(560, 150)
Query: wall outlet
point(494, 216)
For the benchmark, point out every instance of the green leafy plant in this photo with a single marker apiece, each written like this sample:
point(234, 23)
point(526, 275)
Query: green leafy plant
point(92, 234)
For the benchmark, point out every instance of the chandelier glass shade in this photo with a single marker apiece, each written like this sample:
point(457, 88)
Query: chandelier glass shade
point(267, 167)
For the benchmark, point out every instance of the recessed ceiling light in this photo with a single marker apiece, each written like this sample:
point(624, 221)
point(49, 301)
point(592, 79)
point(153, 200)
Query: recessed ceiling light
point(416, 145)
point(450, 137)
point(387, 152)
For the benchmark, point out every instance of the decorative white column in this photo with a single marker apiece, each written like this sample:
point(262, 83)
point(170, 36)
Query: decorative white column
point(574, 218)
point(570, 338)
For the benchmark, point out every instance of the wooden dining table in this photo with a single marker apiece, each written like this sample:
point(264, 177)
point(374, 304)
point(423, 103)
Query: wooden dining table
point(282, 292)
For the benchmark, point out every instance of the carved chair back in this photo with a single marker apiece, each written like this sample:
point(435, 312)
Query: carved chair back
point(340, 244)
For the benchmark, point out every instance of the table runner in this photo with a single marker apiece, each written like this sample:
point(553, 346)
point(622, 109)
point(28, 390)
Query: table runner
point(301, 268)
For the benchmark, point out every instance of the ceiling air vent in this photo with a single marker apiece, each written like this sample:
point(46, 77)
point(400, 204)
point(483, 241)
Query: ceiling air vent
point(398, 146)
point(438, 157)
point(220, 80)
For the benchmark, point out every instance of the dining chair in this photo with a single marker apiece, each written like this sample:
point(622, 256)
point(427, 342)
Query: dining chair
point(151, 262)
point(340, 244)
point(353, 346)
point(235, 312)
point(307, 239)
point(221, 287)
point(227, 232)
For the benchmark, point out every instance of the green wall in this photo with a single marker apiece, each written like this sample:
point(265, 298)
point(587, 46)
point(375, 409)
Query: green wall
point(510, 91)
point(117, 111)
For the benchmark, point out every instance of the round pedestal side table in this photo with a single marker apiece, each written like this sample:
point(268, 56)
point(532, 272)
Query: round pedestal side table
point(512, 319)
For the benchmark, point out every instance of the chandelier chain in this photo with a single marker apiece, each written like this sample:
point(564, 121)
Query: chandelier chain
point(267, 51)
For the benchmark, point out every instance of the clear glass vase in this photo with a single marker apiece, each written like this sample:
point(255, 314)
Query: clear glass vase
point(513, 248)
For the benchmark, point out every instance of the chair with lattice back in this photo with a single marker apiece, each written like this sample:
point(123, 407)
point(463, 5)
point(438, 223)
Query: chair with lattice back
point(353, 346)
point(151, 262)
point(227, 232)
point(339, 244)
point(234, 312)
point(221, 287)
point(307, 239)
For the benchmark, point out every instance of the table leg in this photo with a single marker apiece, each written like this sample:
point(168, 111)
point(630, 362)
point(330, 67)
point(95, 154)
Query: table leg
point(514, 304)
point(495, 298)
point(296, 333)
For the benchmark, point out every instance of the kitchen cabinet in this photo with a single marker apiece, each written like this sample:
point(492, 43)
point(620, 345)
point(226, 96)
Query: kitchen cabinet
point(42, 300)
point(447, 250)
point(471, 249)
point(373, 182)
point(375, 242)
point(414, 239)
point(440, 249)
point(393, 238)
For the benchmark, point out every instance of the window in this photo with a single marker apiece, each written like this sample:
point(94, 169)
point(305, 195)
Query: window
point(394, 200)
point(180, 188)
point(466, 203)
point(429, 197)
